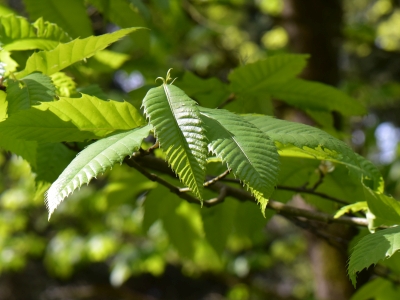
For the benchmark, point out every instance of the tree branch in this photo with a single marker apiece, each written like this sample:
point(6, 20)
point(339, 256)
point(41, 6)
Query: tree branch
point(242, 195)
point(298, 190)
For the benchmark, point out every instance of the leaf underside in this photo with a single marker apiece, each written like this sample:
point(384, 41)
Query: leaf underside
point(247, 151)
point(178, 127)
point(94, 160)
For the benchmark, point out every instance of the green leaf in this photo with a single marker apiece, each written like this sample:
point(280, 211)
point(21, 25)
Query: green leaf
point(377, 289)
point(71, 119)
point(179, 129)
point(209, 92)
point(373, 248)
point(258, 77)
point(106, 61)
point(299, 140)
point(64, 55)
point(352, 208)
point(93, 90)
point(94, 160)
point(245, 104)
point(218, 223)
point(315, 96)
point(123, 14)
point(384, 207)
point(184, 228)
point(3, 105)
point(158, 203)
point(51, 160)
point(18, 34)
point(25, 149)
point(10, 64)
point(65, 85)
point(69, 14)
point(246, 150)
point(4, 10)
point(28, 91)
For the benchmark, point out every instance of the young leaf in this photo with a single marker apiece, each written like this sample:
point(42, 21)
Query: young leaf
point(373, 248)
point(258, 77)
point(69, 14)
point(71, 119)
point(28, 91)
point(94, 160)
point(179, 129)
point(18, 34)
point(246, 150)
point(295, 139)
point(64, 55)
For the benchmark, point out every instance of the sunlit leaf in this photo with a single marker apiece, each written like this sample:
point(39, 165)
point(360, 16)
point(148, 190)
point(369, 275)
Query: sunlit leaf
point(64, 55)
point(179, 129)
point(94, 160)
point(71, 119)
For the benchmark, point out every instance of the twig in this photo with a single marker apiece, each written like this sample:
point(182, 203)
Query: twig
point(312, 192)
point(320, 180)
point(142, 152)
point(242, 195)
point(297, 189)
point(209, 182)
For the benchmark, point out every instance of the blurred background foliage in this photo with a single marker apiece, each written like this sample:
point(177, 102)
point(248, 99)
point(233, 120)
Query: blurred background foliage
point(114, 239)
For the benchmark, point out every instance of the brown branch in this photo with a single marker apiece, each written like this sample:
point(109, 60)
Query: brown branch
point(312, 192)
point(320, 180)
point(303, 190)
point(243, 195)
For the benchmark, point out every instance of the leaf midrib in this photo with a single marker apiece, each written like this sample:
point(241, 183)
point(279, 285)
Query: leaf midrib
point(180, 132)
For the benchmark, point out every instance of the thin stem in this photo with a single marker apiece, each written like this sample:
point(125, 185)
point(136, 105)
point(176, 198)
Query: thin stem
point(209, 182)
point(299, 190)
point(312, 192)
